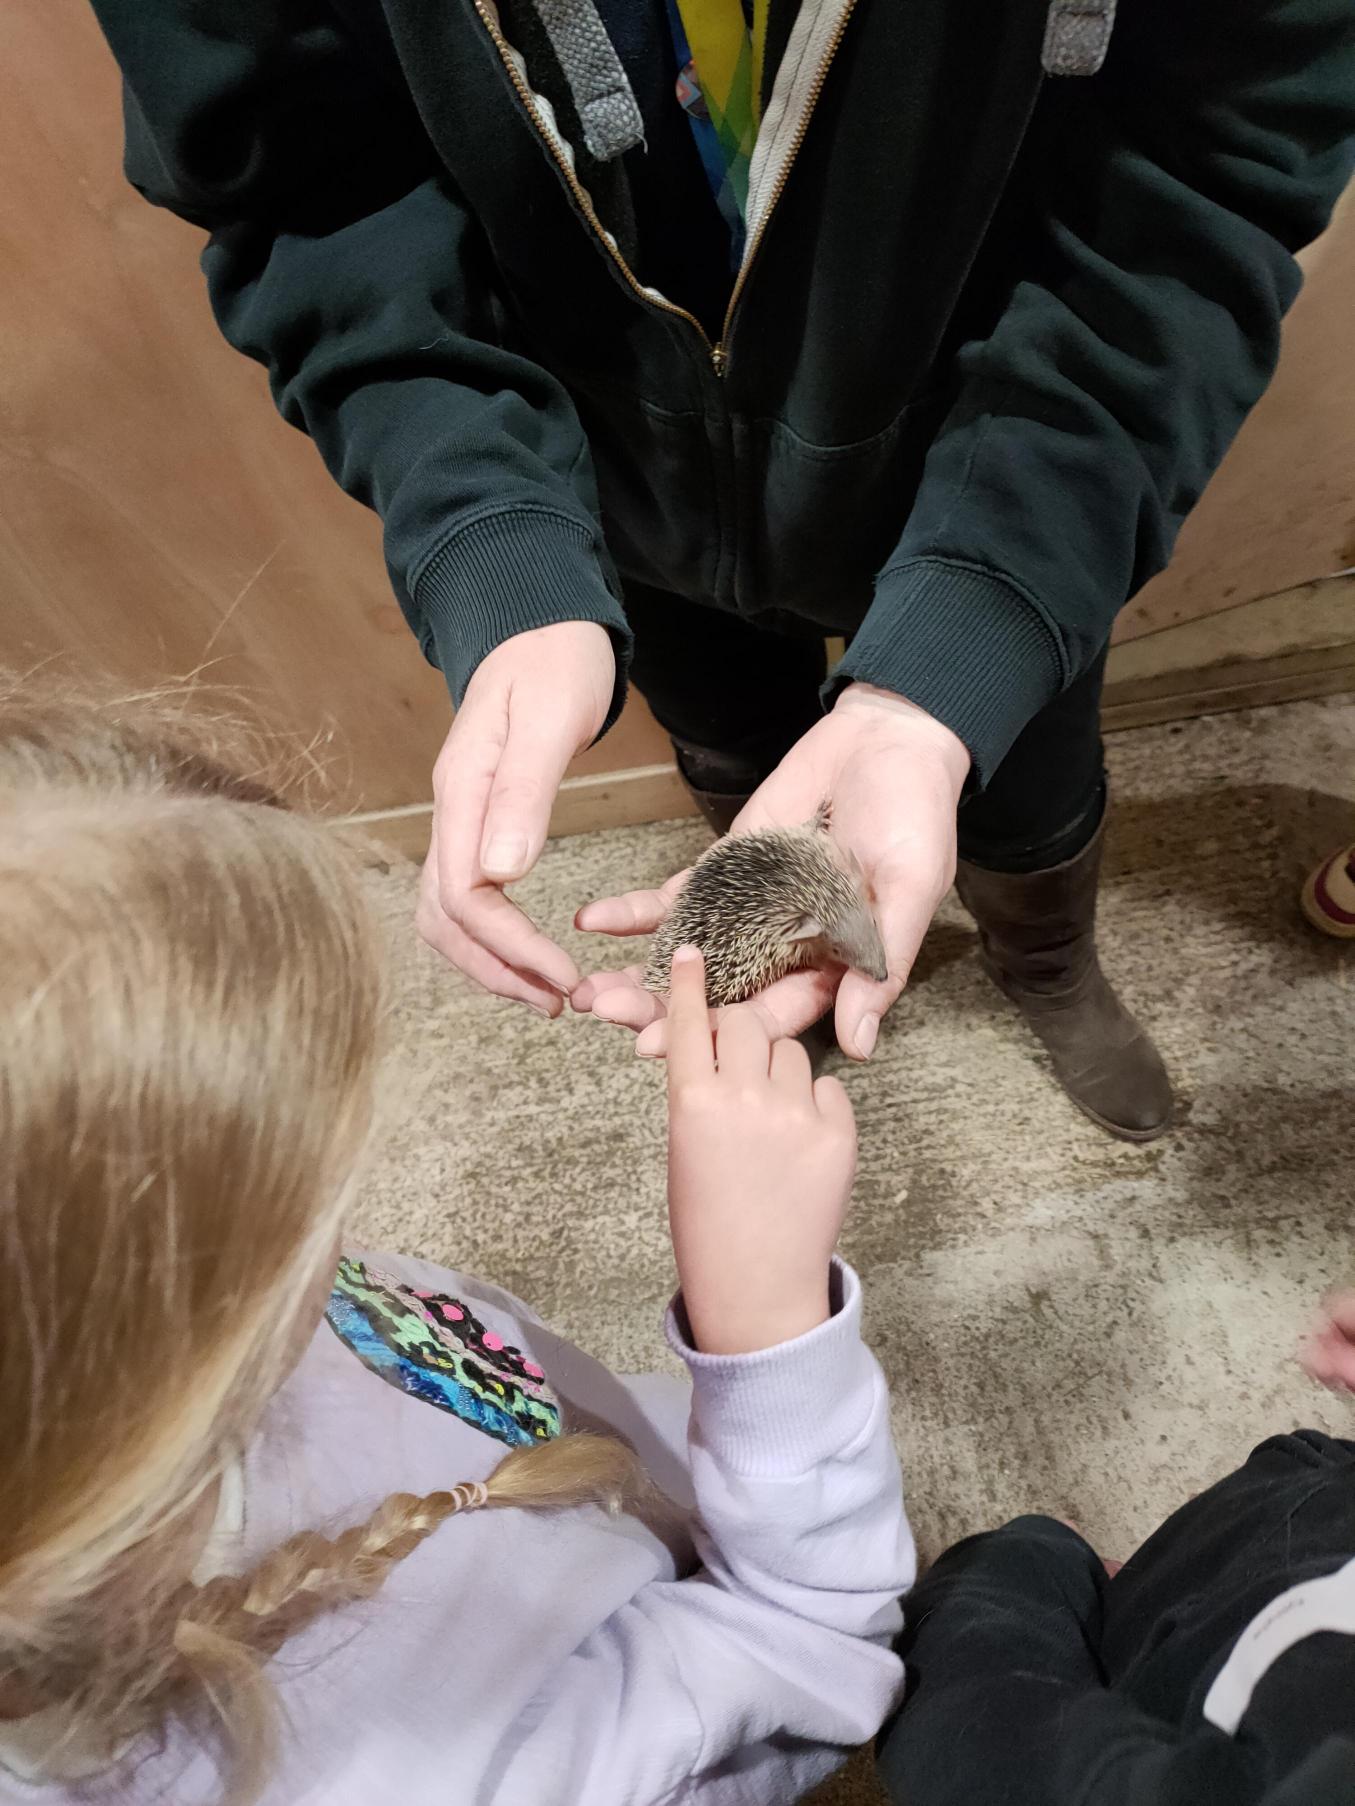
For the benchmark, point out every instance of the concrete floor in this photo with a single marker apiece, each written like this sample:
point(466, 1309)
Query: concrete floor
point(1069, 1324)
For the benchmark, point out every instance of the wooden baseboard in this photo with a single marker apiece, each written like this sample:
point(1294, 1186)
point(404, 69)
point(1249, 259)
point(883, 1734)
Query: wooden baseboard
point(608, 799)
point(1297, 644)
point(1282, 648)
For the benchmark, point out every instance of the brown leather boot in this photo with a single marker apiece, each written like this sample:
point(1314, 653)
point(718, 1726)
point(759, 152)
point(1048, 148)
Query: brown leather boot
point(719, 810)
point(1037, 933)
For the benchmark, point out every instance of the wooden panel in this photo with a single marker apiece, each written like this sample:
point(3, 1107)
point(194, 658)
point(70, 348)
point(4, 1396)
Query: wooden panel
point(155, 514)
point(1281, 509)
point(1279, 648)
point(604, 799)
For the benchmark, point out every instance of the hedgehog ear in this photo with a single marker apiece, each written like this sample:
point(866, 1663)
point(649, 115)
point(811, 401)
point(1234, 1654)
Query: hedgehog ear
point(822, 819)
point(808, 928)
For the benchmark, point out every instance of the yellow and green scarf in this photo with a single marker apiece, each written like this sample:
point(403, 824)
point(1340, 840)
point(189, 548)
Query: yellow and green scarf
point(720, 45)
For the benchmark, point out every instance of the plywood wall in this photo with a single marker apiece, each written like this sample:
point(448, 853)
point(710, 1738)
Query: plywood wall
point(1281, 509)
point(155, 513)
point(156, 516)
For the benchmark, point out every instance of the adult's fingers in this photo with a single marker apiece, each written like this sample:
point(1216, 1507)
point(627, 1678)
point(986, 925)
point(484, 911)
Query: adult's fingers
point(456, 895)
point(743, 1046)
point(629, 1006)
point(786, 1008)
point(593, 984)
point(495, 922)
point(486, 969)
point(633, 912)
point(861, 1007)
point(906, 896)
point(541, 739)
point(691, 1053)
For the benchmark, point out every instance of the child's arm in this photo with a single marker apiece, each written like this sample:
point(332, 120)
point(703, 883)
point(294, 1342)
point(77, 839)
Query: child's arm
point(1006, 1700)
point(746, 1682)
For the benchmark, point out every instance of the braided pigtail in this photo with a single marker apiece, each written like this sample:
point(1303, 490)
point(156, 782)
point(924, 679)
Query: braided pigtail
point(229, 1628)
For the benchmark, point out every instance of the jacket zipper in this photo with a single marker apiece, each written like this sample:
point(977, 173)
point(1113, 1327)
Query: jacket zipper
point(578, 190)
point(718, 353)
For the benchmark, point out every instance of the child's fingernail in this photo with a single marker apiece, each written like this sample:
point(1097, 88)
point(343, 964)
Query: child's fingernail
point(867, 1035)
point(685, 955)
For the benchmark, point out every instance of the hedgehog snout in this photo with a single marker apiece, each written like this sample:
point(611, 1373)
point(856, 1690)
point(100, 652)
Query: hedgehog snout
point(855, 940)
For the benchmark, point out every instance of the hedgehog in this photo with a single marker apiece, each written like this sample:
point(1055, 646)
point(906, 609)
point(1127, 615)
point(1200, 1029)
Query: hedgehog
point(762, 905)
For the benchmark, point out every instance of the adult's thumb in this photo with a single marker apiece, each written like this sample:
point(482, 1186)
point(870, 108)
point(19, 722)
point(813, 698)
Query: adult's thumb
point(535, 755)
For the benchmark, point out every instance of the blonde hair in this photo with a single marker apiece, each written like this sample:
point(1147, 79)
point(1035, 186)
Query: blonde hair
point(190, 997)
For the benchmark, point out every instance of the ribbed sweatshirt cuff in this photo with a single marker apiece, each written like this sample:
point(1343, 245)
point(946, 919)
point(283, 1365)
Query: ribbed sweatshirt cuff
point(784, 1410)
point(967, 645)
point(502, 574)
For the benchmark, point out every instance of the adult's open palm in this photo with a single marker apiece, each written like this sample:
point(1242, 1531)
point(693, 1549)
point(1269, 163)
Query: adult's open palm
point(893, 776)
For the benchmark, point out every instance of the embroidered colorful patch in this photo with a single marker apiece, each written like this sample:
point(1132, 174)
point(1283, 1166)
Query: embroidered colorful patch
point(433, 1347)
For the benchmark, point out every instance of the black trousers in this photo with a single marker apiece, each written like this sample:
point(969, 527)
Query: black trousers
point(1033, 1680)
point(734, 698)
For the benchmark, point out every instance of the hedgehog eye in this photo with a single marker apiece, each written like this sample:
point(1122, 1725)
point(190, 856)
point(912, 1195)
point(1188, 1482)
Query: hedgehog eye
point(808, 928)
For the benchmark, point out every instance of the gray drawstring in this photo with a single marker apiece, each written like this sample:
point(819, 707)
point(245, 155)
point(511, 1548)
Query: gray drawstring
point(607, 105)
point(1077, 36)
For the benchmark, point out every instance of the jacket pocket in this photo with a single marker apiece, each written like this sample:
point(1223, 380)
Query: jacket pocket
point(665, 513)
point(817, 523)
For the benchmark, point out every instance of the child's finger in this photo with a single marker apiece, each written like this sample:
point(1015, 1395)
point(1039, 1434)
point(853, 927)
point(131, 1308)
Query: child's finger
point(1329, 1358)
point(785, 1008)
point(652, 1043)
point(742, 1045)
point(691, 1053)
point(791, 1069)
point(833, 1104)
point(1339, 1308)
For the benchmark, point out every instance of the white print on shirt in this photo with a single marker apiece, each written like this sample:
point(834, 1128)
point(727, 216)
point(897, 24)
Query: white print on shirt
point(1302, 1611)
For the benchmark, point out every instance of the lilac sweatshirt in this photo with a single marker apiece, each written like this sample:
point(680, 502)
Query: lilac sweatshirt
point(523, 1659)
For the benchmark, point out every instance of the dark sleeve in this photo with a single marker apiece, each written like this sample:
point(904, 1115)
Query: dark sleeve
point(1006, 1699)
point(339, 256)
point(1143, 326)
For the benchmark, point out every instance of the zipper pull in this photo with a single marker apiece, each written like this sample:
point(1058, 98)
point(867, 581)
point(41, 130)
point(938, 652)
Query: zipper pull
point(717, 358)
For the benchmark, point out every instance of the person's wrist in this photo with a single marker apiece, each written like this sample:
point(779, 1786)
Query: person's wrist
point(578, 655)
point(887, 709)
point(746, 1325)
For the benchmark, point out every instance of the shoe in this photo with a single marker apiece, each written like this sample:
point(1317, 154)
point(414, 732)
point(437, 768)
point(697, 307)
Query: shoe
point(1328, 895)
point(1037, 932)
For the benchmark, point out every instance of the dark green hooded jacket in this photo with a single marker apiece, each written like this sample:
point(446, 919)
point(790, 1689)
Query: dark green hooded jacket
point(1013, 280)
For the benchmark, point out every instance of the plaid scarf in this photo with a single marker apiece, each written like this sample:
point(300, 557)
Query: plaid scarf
point(720, 46)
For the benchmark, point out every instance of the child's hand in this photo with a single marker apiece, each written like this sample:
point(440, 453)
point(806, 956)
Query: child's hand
point(1329, 1353)
point(1108, 1562)
point(760, 1168)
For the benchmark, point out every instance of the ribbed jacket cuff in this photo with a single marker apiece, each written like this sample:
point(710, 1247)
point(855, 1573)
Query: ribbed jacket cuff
point(502, 574)
point(784, 1410)
point(964, 644)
